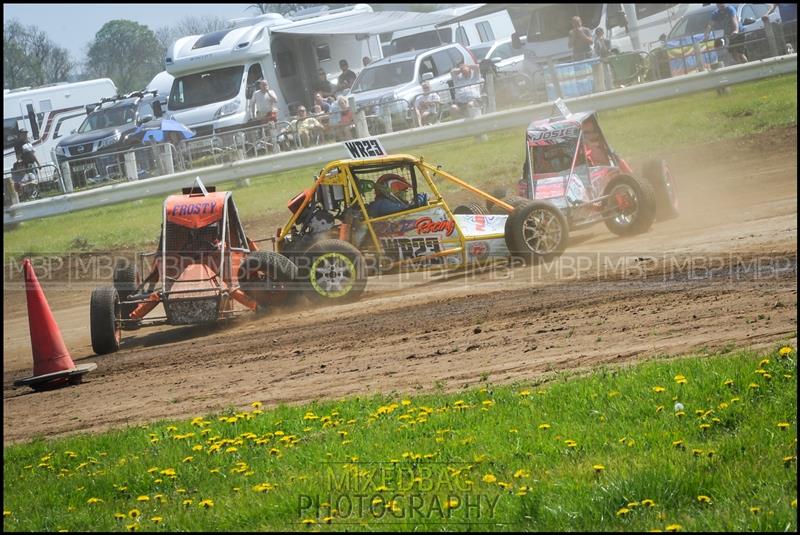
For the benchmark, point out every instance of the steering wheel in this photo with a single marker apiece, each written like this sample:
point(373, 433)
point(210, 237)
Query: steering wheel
point(365, 186)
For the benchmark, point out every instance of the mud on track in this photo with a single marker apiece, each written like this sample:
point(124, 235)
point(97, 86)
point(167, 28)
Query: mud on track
point(722, 274)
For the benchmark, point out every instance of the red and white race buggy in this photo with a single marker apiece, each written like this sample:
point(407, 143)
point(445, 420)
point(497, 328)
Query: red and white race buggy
point(204, 264)
point(569, 164)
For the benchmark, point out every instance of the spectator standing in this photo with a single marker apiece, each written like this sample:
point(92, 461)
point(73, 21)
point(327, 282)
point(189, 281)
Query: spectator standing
point(580, 40)
point(427, 105)
point(263, 105)
point(466, 81)
point(366, 60)
point(602, 49)
point(345, 119)
point(321, 85)
point(347, 77)
point(725, 15)
point(788, 15)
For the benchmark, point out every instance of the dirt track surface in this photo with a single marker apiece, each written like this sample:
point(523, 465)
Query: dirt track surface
point(722, 274)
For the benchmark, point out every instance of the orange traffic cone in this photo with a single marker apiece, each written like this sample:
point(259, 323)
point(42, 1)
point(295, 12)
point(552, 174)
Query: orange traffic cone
point(52, 364)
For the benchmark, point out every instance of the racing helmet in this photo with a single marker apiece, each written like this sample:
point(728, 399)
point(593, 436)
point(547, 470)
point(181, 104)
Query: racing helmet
point(392, 186)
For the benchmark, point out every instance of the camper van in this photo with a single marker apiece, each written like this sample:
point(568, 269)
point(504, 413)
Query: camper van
point(467, 32)
point(215, 74)
point(48, 113)
point(549, 27)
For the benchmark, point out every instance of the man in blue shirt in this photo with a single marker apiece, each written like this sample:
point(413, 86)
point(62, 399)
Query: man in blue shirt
point(725, 16)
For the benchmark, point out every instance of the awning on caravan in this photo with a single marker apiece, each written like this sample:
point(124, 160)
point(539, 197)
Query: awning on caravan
point(365, 23)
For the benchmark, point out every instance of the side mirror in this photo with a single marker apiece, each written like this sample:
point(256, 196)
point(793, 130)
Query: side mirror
point(517, 41)
point(73, 130)
point(748, 21)
point(496, 59)
point(144, 119)
point(427, 76)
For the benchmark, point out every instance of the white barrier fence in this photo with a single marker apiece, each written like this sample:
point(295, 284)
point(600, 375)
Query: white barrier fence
point(395, 142)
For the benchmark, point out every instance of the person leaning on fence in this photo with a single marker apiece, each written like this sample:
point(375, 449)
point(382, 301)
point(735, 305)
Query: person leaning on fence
point(427, 105)
point(308, 129)
point(726, 16)
point(263, 105)
point(466, 82)
point(602, 49)
point(344, 126)
point(580, 40)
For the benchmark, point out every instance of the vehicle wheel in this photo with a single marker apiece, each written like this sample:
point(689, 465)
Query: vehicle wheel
point(497, 193)
point(104, 320)
point(514, 200)
point(536, 230)
point(267, 278)
point(633, 203)
point(658, 174)
point(470, 208)
point(336, 272)
point(125, 284)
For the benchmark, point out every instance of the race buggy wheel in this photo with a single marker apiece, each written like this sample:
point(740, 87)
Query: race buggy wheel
point(658, 174)
point(336, 272)
point(125, 284)
point(536, 230)
point(267, 277)
point(469, 208)
point(632, 203)
point(514, 200)
point(104, 320)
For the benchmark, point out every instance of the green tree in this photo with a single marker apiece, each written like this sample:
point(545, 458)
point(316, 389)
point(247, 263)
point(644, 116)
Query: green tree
point(31, 58)
point(127, 52)
point(191, 25)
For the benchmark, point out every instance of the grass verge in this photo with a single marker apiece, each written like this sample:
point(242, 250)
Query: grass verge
point(636, 131)
point(686, 444)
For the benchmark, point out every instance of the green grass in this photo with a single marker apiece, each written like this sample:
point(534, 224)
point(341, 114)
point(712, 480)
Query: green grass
point(488, 446)
point(648, 129)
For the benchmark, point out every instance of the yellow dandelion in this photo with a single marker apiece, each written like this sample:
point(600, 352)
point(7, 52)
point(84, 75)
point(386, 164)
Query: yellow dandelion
point(728, 382)
point(119, 516)
point(674, 527)
point(327, 519)
point(571, 443)
point(134, 513)
point(308, 521)
point(92, 501)
point(598, 468)
point(143, 499)
point(256, 404)
point(6, 514)
point(752, 385)
point(794, 503)
point(159, 498)
point(783, 425)
point(489, 478)
point(187, 502)
point(680, 414)
point(633, 504)
point(623, 511)
point(405, 402)
point(156, 519)
point(755, 510)
point(648, 503)
point(521, 473)
point(697, 453)
point(703, 499)
point(789, 459)
point(680, 379)
point(703, 427)
point(659, 408)
point(678, 444)
point(544, 427)
point(206, 504)
point(785, 351)
point(132, 527)
point(658, 389)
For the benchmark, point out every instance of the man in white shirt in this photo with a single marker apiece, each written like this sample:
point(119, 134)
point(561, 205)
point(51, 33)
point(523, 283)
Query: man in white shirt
point(466, 81)
point(263, 105)
point(427, 105)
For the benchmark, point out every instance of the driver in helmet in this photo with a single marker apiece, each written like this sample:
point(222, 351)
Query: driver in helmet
point(391, 195)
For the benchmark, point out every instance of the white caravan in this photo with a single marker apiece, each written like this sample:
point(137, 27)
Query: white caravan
point(215, 73)
point(48, 113)
point(467, 32)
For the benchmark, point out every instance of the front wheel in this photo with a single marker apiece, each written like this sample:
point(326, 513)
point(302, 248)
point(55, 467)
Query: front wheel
point(336, 272)
point(104, 320)
point(658, 174)
point(536, 230)
point(632, 206)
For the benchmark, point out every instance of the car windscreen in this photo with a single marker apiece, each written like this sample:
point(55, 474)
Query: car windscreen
point(386, 75)
point(692, 24)
point(205, 87)
point(108, 118)
point(480, 51)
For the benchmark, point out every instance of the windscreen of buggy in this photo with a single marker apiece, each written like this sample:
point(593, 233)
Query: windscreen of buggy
point(555, 158)
point(386, 75)
point(206, 87)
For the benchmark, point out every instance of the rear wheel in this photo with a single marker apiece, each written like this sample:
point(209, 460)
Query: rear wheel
point(657, 173)
point(536, 230)
point(633, 203)
point(267, 277)
point(335, 272)
point(470, 208)
point(104, 320)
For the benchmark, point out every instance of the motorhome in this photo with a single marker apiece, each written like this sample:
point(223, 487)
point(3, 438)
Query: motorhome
point(467, 32)
point(550, 24)
point(215, 73)
point(48, 113)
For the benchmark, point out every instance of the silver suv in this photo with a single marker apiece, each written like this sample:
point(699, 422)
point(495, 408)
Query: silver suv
point(395, 81)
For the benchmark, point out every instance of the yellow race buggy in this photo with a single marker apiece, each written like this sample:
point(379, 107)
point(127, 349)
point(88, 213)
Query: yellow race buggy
point(376, 214)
